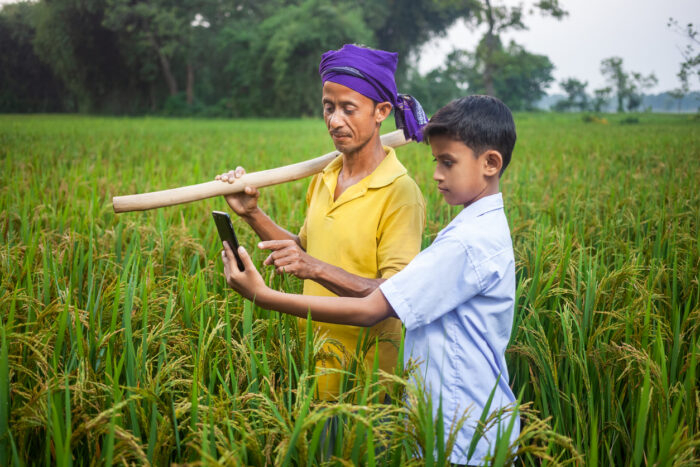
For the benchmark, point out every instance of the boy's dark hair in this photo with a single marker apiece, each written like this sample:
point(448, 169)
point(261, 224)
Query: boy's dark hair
point(480, 122)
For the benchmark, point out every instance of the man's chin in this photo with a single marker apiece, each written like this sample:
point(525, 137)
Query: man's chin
point(340, 147)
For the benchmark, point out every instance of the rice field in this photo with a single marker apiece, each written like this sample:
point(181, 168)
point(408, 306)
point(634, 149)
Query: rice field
point(120, 344)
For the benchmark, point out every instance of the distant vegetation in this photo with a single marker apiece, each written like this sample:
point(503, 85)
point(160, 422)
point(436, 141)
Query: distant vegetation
point(248, 58)
point(254, 58)
point(120, 343)
point(662, 102)
point(204, 57)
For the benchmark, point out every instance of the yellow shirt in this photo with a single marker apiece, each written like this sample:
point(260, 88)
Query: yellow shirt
point(372, 230)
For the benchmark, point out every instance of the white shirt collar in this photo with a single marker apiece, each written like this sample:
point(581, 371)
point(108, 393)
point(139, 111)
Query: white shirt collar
point(482, 206)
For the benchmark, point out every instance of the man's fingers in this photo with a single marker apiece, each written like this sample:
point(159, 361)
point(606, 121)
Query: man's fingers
point(275, 244)
point(251, 191)
point(288, 254)
point(285, 261)
point(272, 258)
point(231, 175)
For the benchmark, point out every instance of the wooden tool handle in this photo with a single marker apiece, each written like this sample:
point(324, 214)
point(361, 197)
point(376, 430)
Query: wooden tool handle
point(288, 173)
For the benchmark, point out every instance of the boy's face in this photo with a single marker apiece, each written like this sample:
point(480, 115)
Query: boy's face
point(463, 177)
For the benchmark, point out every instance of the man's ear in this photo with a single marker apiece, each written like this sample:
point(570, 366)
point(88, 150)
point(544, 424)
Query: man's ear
point(382, 111)
point(493, 162)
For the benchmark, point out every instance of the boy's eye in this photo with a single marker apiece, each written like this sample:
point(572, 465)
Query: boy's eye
point(446, 162)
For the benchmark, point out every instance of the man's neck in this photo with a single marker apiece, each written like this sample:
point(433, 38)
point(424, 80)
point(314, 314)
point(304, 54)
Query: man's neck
point(357, 165)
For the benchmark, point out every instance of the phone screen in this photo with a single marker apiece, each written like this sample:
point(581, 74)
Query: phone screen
point(226, 233)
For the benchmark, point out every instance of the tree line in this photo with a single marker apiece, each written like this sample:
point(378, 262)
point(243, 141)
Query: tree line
point(260, 58)
point(247, 57)
point(233, 58)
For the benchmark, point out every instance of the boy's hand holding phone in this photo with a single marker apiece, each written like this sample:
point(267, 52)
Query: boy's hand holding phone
point(249, 283)
point(239, 270)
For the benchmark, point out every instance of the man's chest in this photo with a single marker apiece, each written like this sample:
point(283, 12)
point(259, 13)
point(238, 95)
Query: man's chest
point(344, 232)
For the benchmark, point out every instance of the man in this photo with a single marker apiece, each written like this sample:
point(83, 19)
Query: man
point(365, 215)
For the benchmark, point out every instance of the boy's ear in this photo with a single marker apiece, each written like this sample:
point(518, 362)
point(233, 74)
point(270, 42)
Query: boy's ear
point(493, 162)
point(382, 111)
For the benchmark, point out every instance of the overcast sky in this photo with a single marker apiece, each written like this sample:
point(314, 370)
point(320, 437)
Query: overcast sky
point(595, 29)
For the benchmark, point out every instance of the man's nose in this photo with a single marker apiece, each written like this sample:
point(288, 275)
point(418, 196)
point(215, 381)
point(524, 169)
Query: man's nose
point(334, 120)
point(437, 176)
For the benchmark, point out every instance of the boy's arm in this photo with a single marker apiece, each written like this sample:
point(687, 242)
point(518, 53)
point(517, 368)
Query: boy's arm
point(365, 311)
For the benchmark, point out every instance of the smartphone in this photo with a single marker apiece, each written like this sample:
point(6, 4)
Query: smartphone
point(226, 233)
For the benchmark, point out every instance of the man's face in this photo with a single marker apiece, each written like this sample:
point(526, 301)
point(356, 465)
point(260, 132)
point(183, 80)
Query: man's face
point(461, 176)
point(351, 118)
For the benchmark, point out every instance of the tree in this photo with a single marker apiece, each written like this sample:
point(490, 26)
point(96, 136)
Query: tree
point(244, 58)
point(434, 89)
point(627, 86)
point(600, 98)
point(26, 83)
point(164, 29)
point(690, 66)
point(273, 59)
point(576, 99)
point(638, 84)
point(403, 25)
point(273, 65)
point(86, 56)
point(678, 94)
point(520, 81)
point(498, 19)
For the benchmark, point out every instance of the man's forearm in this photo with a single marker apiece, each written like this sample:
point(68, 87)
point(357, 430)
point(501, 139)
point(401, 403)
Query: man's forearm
point(267, 229)
point(343, 283)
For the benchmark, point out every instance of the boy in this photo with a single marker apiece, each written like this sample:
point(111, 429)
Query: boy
point(456, 297)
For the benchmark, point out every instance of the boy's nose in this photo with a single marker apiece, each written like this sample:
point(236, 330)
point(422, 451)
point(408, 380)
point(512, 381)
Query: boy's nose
point(437, 176)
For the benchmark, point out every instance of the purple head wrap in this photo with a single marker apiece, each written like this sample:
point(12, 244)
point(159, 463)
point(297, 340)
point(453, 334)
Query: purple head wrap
point(371, 73)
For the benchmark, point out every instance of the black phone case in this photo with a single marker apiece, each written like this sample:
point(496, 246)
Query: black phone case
point(226, 233)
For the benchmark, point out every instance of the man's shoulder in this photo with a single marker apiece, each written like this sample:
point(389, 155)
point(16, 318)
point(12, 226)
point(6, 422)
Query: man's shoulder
point(404, 190)
point(313, 186)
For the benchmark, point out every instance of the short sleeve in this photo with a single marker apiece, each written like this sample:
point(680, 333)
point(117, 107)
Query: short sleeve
point(400, 239)
point(309, 194)
point(302, 235)
point(400, 232)
point(437, 281)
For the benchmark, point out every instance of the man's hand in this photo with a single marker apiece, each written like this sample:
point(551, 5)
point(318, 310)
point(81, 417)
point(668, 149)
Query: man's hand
point(288, 257)
point(248, 283)
point(245, 204)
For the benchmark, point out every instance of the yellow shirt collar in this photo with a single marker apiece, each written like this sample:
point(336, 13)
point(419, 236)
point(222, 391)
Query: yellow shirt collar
point(386, 172)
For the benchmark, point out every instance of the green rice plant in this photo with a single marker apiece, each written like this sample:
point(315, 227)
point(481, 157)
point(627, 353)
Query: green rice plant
point(120, 343)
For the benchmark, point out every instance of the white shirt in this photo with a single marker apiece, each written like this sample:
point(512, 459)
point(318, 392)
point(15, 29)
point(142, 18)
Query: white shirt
point(456, 300)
